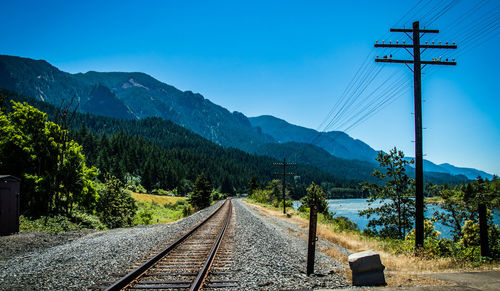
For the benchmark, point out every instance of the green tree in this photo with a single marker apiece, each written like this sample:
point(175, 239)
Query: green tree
point(116, 208)
point(460, 205)
point(185, 187)
point(253, 184)
point(227, 186)
point(53, 170)
point(275, 191)
point(393, 208)
point(201, 196)
point(456, 212)
point(316, 196)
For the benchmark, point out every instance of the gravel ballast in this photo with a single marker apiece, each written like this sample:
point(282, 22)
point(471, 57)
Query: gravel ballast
point(266, 254)
point(88, 260)
point(270, 256)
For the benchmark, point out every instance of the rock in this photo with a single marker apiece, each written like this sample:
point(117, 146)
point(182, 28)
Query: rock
point(367, 269)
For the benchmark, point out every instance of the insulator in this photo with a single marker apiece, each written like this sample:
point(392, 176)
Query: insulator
point(440, 42)
point(376, 41)
point(390, 41)
point(446, 42)
point(453, 59)
point(432, 42)
point(446, 59)
point(397, 41)
point(390, 56)
point(404, 41)
point(383, 41)
point(426, 42)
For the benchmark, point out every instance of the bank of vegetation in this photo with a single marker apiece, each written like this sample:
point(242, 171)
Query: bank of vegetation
point(391, 214)
point(63, 190)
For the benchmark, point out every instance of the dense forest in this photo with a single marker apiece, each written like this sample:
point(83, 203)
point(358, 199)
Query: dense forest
point(164, 155)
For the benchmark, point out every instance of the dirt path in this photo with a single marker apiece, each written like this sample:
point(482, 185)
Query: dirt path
point(461, 281)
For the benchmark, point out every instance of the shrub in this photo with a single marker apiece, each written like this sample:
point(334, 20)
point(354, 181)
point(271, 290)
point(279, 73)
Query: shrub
point(187, 210)
point(342, 223)
point(116, 207)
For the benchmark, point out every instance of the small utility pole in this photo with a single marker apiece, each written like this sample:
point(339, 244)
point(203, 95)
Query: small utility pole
point(311, 243)
point(283, 188)
point(417, 67)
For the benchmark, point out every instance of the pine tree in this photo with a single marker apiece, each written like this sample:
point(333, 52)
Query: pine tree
point(201, 196)
point(252, 185)
point(395, 208)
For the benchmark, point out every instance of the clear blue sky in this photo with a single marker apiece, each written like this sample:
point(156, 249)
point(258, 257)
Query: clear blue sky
point(290, 59)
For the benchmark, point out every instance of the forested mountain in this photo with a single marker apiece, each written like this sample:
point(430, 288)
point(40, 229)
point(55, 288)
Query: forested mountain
point(341, 145)
point(129, 95)
point(336, 143)
point(135, 96)
point(164, 154)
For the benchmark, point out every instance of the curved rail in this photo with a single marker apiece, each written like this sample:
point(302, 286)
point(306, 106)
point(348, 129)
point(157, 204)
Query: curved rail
point(138, 272)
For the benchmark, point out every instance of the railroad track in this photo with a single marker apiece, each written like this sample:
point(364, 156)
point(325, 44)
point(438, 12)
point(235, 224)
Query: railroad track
point(186, 264)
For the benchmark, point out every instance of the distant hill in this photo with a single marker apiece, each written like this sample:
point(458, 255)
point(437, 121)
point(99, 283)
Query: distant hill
point(336, 143)
point(446, 168)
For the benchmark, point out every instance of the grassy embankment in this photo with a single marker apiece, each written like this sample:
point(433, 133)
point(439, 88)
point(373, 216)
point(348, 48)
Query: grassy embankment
point(151, 209)
point(401, 269)
point(154, 209)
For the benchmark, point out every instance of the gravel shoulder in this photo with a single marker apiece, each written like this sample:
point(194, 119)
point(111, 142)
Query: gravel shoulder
point(80, 260)
point(270, 254)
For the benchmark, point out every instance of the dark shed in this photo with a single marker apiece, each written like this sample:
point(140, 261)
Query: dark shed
point(9, 204)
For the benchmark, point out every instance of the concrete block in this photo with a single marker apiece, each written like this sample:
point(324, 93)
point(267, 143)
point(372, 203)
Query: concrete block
point(367, 269)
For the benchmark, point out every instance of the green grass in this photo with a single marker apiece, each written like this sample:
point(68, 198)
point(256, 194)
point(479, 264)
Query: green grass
point(150, 212)
point(57, 224)
point(159, 199)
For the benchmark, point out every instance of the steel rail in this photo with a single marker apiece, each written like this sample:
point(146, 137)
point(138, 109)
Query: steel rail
point(198, 282)
point(135, 274)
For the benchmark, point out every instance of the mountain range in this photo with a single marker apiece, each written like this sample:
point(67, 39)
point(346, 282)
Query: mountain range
point(339, 144)
point(137, 95)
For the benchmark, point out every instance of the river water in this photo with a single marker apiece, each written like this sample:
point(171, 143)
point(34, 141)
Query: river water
point(350, 208)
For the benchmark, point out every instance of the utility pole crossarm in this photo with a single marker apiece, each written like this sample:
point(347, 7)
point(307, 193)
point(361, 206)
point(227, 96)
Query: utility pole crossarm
point(413, 62)
point(423, 46)
point(411, 30)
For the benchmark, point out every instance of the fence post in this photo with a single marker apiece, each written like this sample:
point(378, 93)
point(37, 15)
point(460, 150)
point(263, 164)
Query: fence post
point(313, 218)
point(483, 230)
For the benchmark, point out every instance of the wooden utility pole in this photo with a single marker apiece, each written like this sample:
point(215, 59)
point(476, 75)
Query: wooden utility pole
point(283, 188)
point(417, 67)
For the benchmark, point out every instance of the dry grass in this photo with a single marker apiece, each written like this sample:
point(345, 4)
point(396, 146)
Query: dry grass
point(401, 270)
point(162, 200)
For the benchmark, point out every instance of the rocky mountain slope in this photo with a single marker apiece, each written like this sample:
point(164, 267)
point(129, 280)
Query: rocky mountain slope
point(137, 95)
